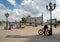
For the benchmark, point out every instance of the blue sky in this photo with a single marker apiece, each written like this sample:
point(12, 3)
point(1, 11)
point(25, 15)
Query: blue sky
point(21, 8)
point(8, 5)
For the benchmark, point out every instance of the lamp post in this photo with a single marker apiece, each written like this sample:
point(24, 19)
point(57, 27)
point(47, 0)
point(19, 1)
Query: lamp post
point(50, 8)
point(42, 19)
point(7, 15)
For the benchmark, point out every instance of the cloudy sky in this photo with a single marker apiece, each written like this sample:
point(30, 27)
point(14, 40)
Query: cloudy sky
point(21, 8)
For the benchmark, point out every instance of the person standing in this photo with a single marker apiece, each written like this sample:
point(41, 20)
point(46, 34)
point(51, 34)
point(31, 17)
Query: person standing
point(45, 28)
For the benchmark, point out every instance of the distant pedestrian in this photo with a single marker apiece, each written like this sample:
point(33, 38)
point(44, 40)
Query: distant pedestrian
point(45, 28)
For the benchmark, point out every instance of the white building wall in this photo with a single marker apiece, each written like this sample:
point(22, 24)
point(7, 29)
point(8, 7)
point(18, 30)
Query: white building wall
point(53, 21)
point(37, 20)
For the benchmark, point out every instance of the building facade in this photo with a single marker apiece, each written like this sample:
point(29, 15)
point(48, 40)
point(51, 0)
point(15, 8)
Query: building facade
point(54, 21)
point(33, 20)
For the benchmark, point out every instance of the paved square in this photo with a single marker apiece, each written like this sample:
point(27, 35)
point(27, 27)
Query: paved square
point(28, 34)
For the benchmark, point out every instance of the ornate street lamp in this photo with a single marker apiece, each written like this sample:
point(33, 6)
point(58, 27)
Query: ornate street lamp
point(7, 15)
point(50, 8)
point(42, 19)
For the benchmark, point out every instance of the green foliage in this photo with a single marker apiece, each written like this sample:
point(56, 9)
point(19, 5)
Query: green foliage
point(0, 22)
point(24, 20)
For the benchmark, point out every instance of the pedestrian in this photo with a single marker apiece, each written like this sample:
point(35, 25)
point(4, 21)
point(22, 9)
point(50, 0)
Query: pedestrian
point(45, 28)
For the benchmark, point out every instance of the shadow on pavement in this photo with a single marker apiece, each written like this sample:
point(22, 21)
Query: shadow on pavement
point(38, 38)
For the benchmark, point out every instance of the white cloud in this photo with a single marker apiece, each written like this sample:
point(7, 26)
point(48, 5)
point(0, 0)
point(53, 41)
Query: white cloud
point(21, 13)
point(35, 7)
point(31, 7)
point(26, 2)
point(2, 7)
point(17, 14)
point(12, 2)
point(56, 12)
point(3, 10)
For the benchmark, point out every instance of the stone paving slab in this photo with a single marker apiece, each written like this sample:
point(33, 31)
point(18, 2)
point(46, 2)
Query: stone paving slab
point(28, 34)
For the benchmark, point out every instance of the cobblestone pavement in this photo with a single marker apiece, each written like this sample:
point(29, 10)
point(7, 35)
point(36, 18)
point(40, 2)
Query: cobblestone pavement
point(28, 34)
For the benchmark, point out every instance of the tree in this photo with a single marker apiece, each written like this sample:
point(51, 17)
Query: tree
point(24, 20)
point(0, 22)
